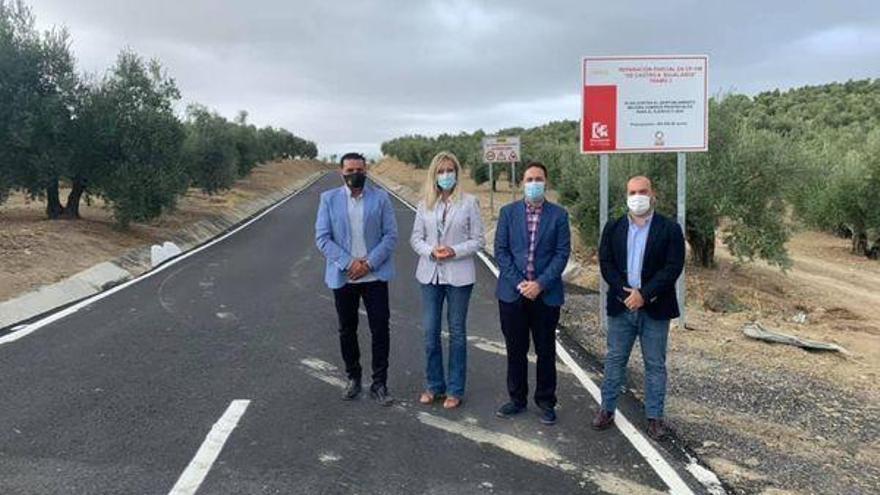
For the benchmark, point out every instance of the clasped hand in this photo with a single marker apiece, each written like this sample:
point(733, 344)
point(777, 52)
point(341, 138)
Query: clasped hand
point(359, 268)
point(443, 253)
point(634, 301)
point(529, 289)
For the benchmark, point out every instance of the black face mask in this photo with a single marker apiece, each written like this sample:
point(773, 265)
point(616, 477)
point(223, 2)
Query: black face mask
point(355, 180)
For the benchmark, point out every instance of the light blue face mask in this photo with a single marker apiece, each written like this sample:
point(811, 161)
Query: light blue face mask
point(446, 181)
point(534, 191)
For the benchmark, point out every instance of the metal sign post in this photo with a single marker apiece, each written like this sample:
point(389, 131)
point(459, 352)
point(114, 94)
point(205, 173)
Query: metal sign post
point(603, 219)
point(491, 191)
point(681, 209)
point(513, 181)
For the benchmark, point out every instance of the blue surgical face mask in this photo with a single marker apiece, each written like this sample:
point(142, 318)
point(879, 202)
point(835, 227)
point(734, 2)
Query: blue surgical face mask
point(446, 180)
point(534, 191)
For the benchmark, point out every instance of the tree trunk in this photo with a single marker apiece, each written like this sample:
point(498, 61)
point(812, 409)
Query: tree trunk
point(54, 209)
point(859, 242)
point(71, 209)
point(702, 247)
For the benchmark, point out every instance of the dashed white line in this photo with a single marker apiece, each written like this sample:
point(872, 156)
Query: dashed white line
point(195, 473)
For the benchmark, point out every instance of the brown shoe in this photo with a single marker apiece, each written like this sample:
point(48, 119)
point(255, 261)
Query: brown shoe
point(451, 402)
point(656, 429)
point(603, 420)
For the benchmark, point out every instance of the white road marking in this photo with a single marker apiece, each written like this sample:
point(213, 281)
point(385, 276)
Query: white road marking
point(706, 477)
point(33, 327)
point(329, 458)
point(324, 371)
point(521, 448)
point(531, 451)
point(496, 347)
point(667, 473)
point(195, 473)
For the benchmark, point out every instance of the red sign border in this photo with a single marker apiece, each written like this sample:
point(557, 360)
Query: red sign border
point(705, 146)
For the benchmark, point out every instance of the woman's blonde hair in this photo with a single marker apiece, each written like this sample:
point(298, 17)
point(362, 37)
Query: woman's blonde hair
point(431, 191)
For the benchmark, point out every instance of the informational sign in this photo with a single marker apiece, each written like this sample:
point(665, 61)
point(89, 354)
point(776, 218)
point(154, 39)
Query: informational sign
point(645, 104)
point(501, 149)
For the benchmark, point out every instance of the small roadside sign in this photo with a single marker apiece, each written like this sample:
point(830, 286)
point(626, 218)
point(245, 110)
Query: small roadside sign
point(498, 149)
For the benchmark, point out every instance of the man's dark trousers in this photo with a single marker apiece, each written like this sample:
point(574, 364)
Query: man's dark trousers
point(518, 320)
point(375, 297)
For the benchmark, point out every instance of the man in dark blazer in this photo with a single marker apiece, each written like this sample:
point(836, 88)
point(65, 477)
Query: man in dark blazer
point(641, 256)
point(532, 246)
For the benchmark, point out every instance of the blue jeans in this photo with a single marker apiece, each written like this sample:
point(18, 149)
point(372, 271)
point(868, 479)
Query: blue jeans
point(622, 332)
point(457, 300)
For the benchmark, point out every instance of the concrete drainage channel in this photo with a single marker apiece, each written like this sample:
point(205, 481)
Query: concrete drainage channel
point(17, 313)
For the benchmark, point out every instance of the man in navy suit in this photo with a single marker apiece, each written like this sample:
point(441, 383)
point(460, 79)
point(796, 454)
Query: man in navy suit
point(641, 256)
point(532, 246)
point(357, 232)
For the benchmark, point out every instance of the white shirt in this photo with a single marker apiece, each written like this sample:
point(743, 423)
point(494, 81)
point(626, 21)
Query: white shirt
point(356, 224)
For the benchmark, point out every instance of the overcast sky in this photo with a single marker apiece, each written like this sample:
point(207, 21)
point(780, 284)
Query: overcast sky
point(349, 75)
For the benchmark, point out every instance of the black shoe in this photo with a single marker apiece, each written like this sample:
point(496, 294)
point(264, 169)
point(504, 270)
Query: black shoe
point(509, 410)
point(380, 395)
point(603, 420)
point(657, 430)
point(352, 390)
point(548, 416)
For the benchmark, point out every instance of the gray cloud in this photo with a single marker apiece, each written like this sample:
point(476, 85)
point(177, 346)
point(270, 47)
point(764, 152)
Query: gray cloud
point(351, 74)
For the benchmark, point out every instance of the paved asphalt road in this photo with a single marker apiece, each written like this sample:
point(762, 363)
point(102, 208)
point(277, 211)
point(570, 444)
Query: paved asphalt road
point(118, 397)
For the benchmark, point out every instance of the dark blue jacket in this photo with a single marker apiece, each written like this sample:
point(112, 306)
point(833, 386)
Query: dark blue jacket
point(552, 248)
point(663, 263)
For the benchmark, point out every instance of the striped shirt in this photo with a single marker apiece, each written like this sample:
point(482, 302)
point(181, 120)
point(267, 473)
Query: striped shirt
point(533, 218)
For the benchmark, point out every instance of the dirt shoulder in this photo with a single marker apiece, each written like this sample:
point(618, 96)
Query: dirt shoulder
point(768, 418)
point(35, 251)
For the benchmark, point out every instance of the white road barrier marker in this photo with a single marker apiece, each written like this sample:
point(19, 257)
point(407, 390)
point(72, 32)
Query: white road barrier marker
point(195, 473)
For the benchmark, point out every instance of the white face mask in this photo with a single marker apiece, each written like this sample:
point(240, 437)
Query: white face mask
point(638, 204)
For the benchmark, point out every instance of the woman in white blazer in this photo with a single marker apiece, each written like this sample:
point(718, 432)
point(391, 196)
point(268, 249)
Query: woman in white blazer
point(447, 233)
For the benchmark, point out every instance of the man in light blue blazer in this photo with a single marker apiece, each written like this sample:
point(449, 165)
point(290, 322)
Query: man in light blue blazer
point(357, 233)
point(532, 246)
